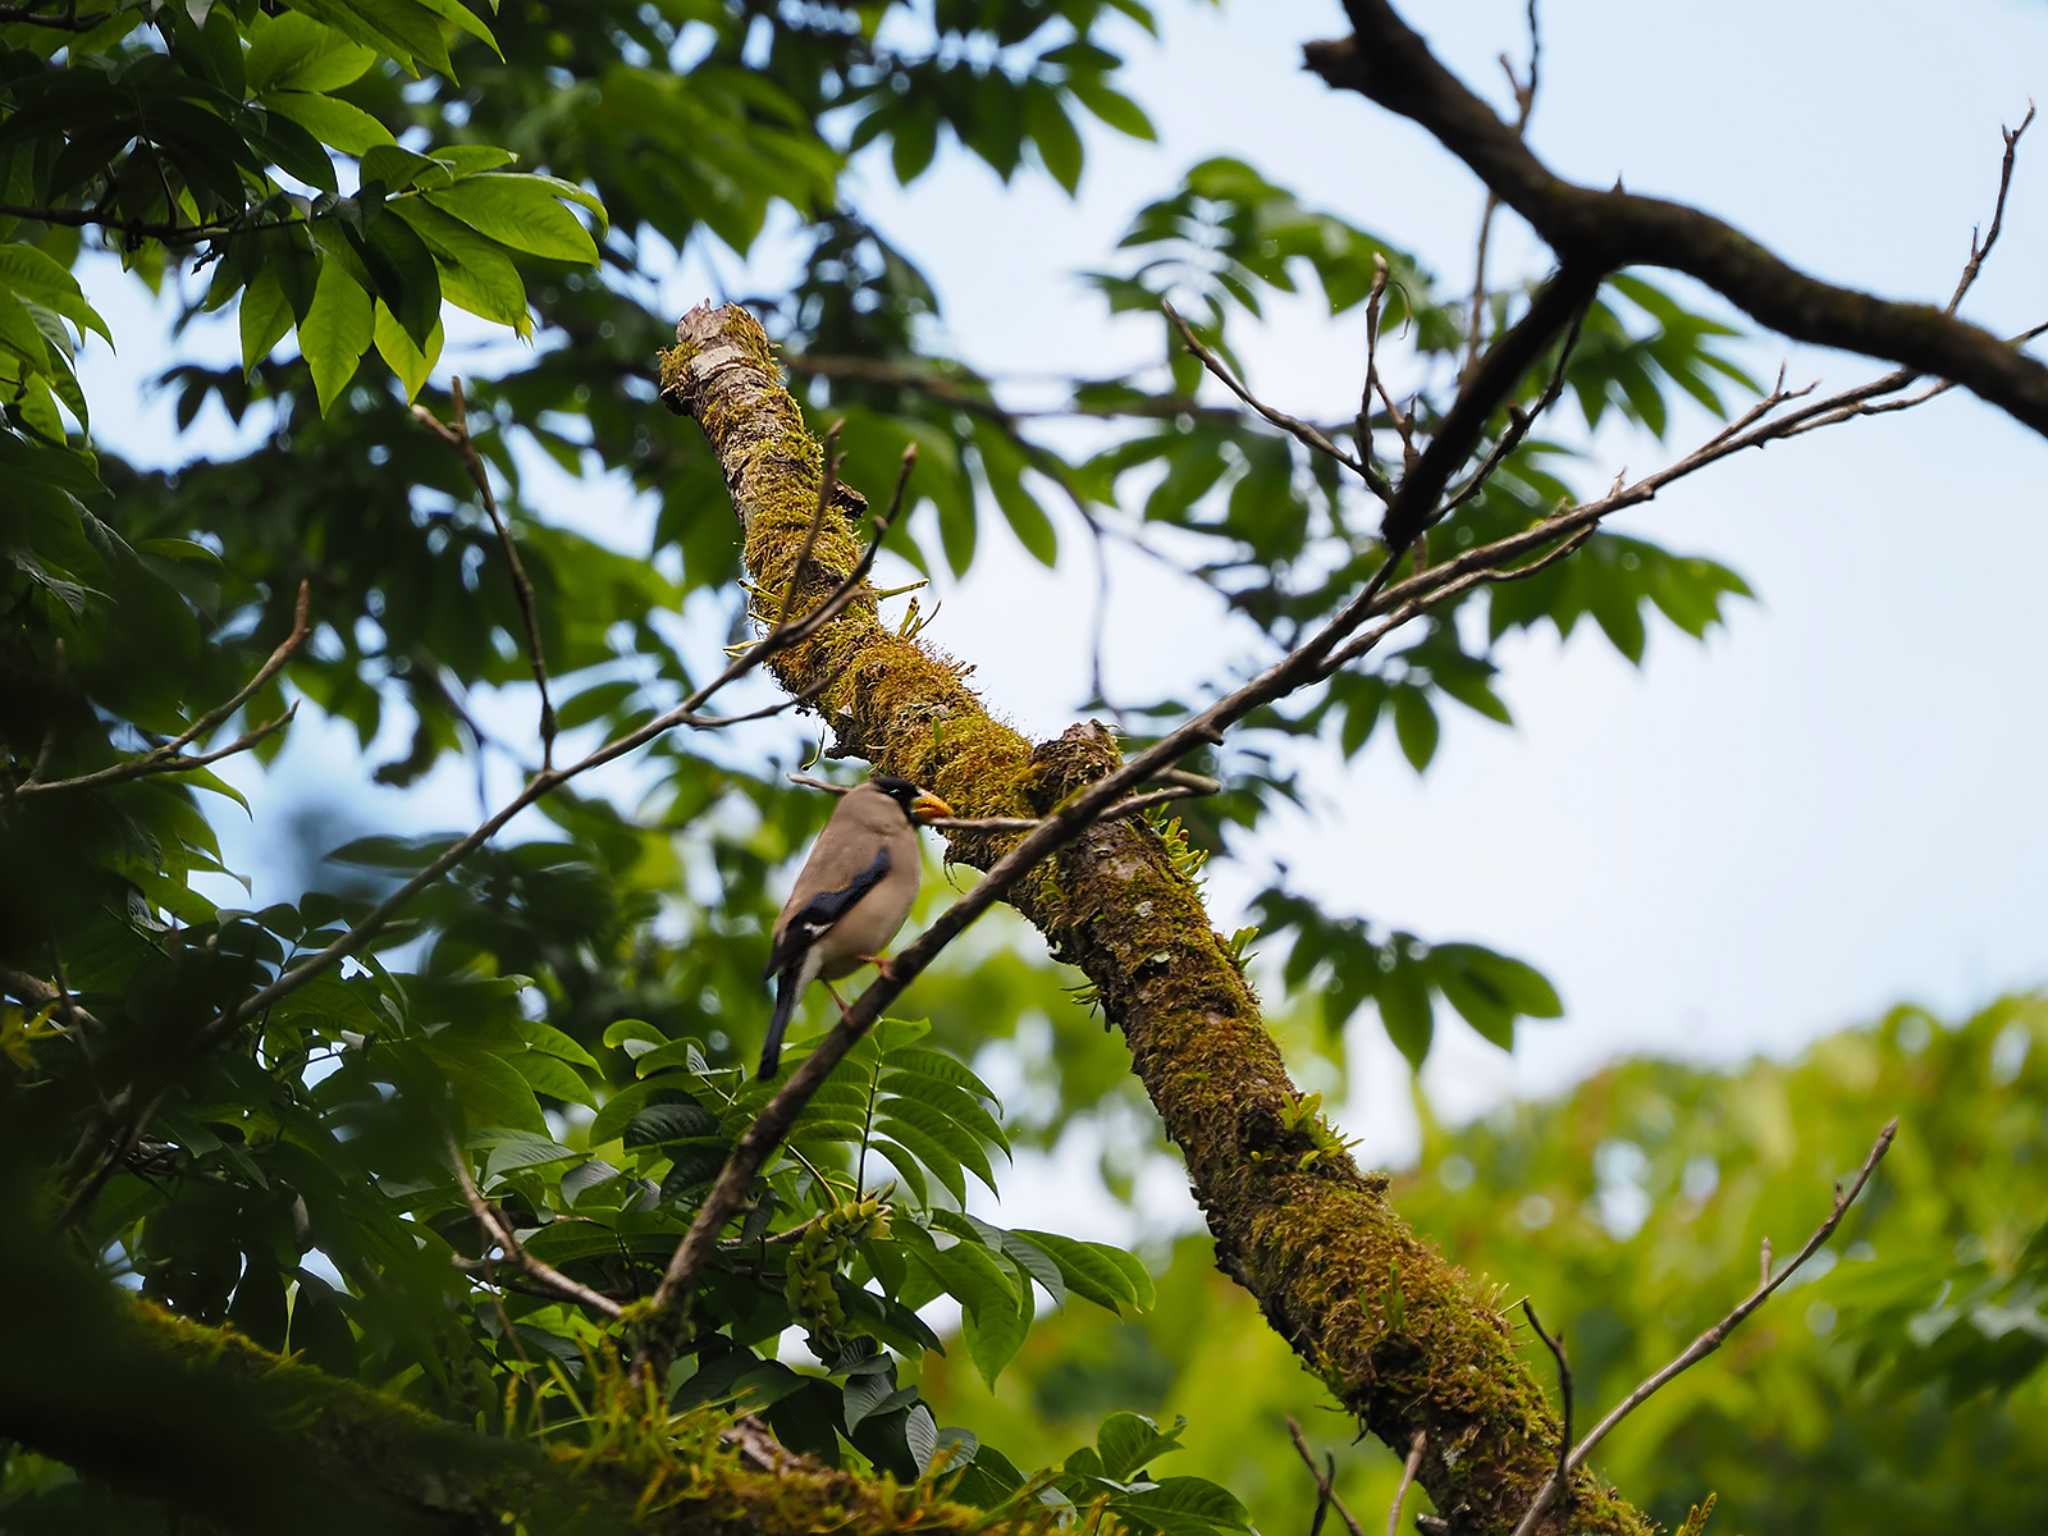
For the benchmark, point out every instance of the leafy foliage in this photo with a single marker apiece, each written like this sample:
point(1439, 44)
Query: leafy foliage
point(1898, 1382)
point(373, 187)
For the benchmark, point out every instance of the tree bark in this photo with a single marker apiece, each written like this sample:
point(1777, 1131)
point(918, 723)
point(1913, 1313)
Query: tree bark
point(1395, 1331)
point(1605, 230)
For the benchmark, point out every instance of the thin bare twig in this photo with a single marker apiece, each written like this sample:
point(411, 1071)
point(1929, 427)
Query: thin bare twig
point(1306, 433)
point(1978, 252)
point(166, 758)
point(1561, 1478)
point(1757, 427)
point(1520, 421)
point(117, 1152)
point(496, 1231)
point(1436, 593)
point(1374, 298)
point(1525, 103)
point(1408, 1469)
point(457, 437)
point(1326, 1491)
point(1713, 1338)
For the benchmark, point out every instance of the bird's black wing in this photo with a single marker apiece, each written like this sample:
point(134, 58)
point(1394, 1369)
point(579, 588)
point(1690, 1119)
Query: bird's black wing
point(817, 915)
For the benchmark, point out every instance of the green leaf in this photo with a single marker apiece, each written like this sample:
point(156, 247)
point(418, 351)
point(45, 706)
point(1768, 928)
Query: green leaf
point(1003, 463)
point(1113, 107)
point(1415, 725)
point(1126, 1443)
point(489, 1090)
point(295, 52)
point(265, 318)
point(1480, 1005)
point(258, 1311)
point(519, 211)
point(618, 1110)
point(342, 124)
point(917, 1124)
point(1059, 146)
point(408, 362)
point(936, 1156)
point(477, 274)
point(988, 1291)
point(1519, 986)
point(395, 169)
point(938, 1065)
point(1136, 1276)
point(956, 1104)
point(20, 335)
point(402, 271)
point(995, 1335)
point(1038, 1264)
point(1473, 689)
point(32, 275)
point(554, 1077)
point(1403, 996)
point(914, 139)
point(545, 1037)
point(659, 1123)
point(513, 1150)
point(335, 334)
point(1087, 1269)
point(621, 1032)
point(1184, 1506)
point(319, 1329)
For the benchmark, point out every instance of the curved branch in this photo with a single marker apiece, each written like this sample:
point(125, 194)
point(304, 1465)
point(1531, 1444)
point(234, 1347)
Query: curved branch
point(1386, 61)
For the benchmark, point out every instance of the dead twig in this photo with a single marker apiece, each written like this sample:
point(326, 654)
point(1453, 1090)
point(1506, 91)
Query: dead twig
point(1519, 422)
point(1561, 1478)
point(497, 1232)
point(167, 758)
point(1326, 1490)
point(457, 437)
point(1404, 426)
point(1979, 252)
point(1408, 1470)
point(1713, 1338)
point(1306, 433)
point(1524, 91)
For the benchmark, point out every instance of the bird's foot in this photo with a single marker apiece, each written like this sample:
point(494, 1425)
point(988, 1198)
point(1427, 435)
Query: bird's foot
point(882, 966)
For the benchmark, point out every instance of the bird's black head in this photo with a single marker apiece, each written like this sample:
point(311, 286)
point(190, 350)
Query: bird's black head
point(918, 805)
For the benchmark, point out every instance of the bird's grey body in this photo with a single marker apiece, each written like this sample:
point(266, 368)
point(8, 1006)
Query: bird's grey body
point(850, 898)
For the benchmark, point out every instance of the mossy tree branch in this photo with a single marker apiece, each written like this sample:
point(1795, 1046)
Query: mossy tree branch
point(1392, 1328)
point(159, 1407)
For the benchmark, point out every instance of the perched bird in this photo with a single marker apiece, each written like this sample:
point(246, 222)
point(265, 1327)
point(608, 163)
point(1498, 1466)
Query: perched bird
point(851, 895)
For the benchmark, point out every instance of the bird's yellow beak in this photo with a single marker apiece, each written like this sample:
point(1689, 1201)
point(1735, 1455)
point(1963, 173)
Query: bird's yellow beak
point(929, 807)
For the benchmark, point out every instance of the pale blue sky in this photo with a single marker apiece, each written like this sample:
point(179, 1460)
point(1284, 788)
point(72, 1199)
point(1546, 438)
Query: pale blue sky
point(1834, 804)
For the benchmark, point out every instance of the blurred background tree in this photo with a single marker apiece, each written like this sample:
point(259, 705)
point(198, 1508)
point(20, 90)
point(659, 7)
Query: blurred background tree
point(339, 207)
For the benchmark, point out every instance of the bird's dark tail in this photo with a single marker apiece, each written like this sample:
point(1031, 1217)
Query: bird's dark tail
point(786, 989)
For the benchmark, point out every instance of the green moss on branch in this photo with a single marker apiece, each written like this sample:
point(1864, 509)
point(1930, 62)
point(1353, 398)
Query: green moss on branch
point(1396, 1332)
point(158, 1407)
